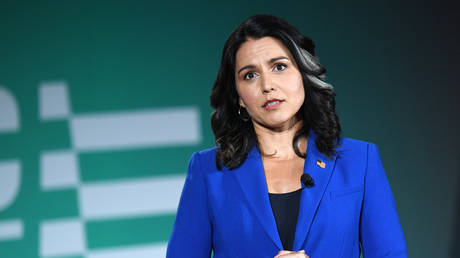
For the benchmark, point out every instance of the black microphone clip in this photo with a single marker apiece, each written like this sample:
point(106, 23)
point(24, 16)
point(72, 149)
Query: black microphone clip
point(307, 180)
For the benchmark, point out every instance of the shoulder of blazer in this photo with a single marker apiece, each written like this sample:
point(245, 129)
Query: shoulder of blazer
point(208, 159)
point(352, 147)
point(207, 153)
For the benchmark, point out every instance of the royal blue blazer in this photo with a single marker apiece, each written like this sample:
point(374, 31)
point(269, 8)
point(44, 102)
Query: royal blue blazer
point(349, 210)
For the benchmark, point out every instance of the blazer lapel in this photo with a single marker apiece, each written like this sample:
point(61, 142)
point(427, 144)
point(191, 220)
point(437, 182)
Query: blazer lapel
point(320, 168)
point(251, 178)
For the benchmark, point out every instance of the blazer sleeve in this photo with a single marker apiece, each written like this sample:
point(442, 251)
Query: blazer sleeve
point(192, 233)
point(381, 234)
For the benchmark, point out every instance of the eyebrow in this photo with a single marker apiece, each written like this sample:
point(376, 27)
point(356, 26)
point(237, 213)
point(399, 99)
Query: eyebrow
point(274, 59)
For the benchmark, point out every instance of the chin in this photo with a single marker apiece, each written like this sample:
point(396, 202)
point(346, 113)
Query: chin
point(277, 123)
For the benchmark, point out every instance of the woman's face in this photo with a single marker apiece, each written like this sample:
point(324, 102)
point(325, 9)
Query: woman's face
point(268, 82)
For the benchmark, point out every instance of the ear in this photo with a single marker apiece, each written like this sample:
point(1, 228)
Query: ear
point(240, 100)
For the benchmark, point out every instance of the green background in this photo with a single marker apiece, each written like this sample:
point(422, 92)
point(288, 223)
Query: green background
point(393, 65)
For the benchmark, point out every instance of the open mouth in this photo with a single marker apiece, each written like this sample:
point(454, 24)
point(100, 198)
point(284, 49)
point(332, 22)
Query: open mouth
point(273, 103)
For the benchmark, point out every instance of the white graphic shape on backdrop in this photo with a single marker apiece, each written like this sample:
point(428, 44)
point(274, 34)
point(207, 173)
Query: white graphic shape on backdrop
point(109, 199)
point(132, 197)
point(11, 229)
point(9, 113)
point(135, 129)
point(58, 170)
point(141, 251)
point(62, 237)
point(53, 100)
point(10, 171)
point(10, 179)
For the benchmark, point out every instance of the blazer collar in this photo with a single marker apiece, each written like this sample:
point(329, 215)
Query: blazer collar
point(251, 177)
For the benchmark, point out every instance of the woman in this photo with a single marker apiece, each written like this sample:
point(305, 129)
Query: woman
point(281, 182)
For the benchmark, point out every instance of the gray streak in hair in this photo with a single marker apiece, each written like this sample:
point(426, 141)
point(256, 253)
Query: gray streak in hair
point(312, 65)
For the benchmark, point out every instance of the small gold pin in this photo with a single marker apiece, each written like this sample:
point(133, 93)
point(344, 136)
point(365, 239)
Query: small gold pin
point(320, 163)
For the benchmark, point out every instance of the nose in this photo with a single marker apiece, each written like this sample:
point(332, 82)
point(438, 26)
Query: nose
point(268, 84)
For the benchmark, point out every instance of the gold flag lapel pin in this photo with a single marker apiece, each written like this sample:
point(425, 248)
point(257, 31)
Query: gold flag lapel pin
point(320, 163)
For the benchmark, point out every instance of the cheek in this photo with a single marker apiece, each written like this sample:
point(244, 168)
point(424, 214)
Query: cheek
point(296, 88)
point(248, 96)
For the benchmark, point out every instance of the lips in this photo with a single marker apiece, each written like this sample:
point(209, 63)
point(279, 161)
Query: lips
point(271, 102)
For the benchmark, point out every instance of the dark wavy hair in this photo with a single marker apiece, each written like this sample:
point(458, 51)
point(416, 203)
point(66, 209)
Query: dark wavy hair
point(234, 136)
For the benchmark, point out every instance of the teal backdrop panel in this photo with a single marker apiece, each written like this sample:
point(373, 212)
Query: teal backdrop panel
point(103, 102)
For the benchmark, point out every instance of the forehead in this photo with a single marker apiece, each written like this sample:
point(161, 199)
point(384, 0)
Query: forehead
point(260, 50)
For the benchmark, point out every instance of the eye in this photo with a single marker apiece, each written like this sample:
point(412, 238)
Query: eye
point(248, 76)
point(280, 67)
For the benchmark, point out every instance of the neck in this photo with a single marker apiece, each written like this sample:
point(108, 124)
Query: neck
point(277, 144)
